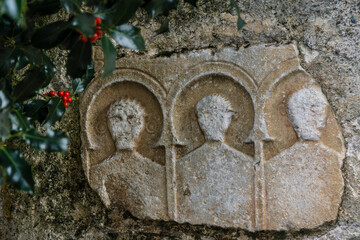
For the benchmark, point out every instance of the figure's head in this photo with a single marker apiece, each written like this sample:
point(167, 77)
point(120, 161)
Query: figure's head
point(125, 121)
point(214, 116)
point(307, 111)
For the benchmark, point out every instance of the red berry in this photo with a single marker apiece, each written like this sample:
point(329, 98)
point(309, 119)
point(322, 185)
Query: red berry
point(93, 38)
point(64, 98)
point(46, 94)
point(66, 93)
point(52, 93)
point(83, 38)
point(78, 31)
point(99, 32)
point(69, 99)
point(97, 21)
point(60, 93)
point(66, 104)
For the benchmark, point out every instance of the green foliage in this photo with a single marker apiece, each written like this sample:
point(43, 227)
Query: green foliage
point(157, 7)
point(36, 110)
point(22, 106)
point(85, 23)
point(79, 59)
point(192, 2)
point(17, 170)
point(51, 35)
point(56, 110)
point(72, 6)
point(240, 23)
point(15, 9)
point(5, 125)
point(117, 13)
point(128, 36)
point(79, 84)
point(34, 79)
point(53, 141)
point(109, 54)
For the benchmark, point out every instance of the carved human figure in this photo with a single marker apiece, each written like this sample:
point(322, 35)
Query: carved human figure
point(127, 177)
point(304, 183)
point(215, 181)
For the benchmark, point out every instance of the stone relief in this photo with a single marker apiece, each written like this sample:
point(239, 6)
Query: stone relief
point(215, 181)
point(308, 170)
point(141, 179)
point(219, 141)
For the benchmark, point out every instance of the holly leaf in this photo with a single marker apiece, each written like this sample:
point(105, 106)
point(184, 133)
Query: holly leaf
point(7, 26)
point(22, 60)
point(53, 141)
point(157, 7)
point(118, 13)
point(56, 110)
point(70, 40)
point(34, 79)
point(51, 35)
point(93, 2)
point(17, 170)
point(240, 23)
point(36, 110)
point(37, 57)
point(192, 2)
point(79, 84)
point(85, 23)
point(72, 6)
point(15, 9)
point(42, 8)
point(5, 97)
point(79, 59)
point(109, 55)
point(128, 36)
point(19, 122)
point(5, 125)
point(7, 61)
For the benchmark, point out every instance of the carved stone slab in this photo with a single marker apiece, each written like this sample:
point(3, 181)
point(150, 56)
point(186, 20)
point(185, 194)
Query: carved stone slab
point(237, 138)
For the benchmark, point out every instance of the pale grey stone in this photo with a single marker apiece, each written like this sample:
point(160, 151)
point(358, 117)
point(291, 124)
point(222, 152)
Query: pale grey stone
point(307, 110)
point(215, 180)
point(249, 147)
point(125, 120)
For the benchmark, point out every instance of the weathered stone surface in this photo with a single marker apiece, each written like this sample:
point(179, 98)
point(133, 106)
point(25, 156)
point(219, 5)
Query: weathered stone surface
point(241, 139)
point(304, 183)
point(65, 207)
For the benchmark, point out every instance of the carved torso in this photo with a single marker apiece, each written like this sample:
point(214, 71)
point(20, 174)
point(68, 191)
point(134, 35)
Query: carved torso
point(216, 186)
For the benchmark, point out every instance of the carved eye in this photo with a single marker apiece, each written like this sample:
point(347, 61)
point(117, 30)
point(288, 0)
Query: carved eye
point(313, 108)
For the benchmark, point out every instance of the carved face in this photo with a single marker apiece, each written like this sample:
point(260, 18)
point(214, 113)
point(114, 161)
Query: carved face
point(125, 120)
point(307, 110)
point(214, 116)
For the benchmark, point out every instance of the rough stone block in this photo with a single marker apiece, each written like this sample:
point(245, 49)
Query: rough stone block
point(241, 138)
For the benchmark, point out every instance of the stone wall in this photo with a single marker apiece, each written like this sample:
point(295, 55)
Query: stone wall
point(327, 35)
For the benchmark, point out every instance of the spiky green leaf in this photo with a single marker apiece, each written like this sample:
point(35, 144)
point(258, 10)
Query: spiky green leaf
point(79, 59)
point(85, 23)
point(109, 55)
point(72, 6)
point(240, 23)
point(157, 7)
point(56, 110)
point(53, 141)
point(79, 84)
point(17, 170)
point(128, 36)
